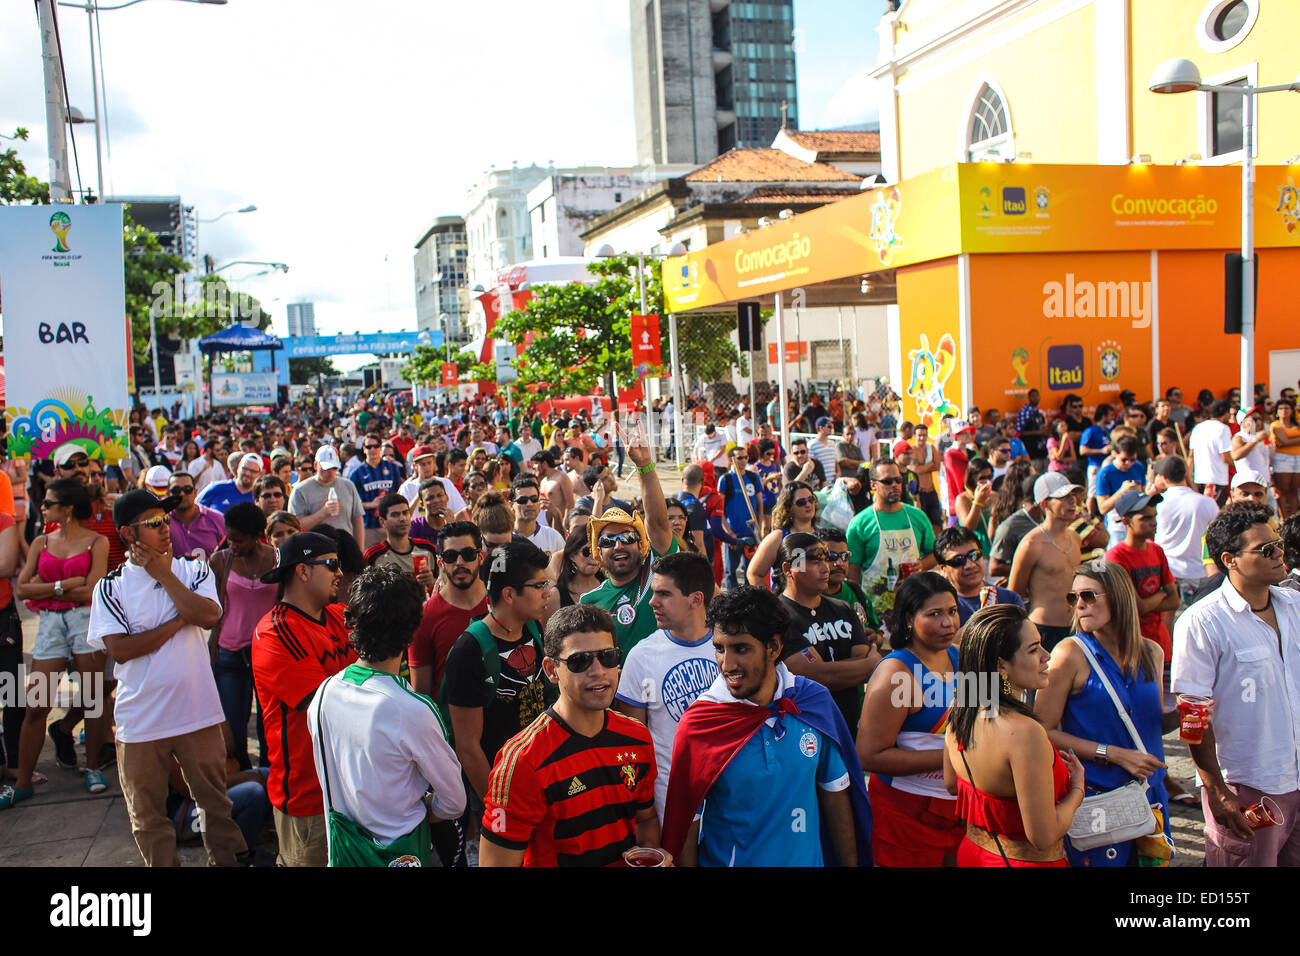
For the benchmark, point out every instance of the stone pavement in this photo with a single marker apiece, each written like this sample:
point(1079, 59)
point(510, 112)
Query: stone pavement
point(63, 825)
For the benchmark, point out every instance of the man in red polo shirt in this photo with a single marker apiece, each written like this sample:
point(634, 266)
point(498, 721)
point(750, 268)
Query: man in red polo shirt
point(301, 641)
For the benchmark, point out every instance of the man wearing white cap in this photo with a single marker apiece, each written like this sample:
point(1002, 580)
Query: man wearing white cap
point(957, 457)
point(155, 479)
point(1043, 568)
point(220, 495)
point(324, 499)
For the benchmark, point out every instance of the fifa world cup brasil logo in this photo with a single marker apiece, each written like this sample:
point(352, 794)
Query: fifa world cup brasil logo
point(60, 223)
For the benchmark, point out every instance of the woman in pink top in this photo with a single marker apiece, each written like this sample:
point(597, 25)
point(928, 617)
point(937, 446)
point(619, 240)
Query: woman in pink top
point(1060, 449)
point(58, 581)
point(245, 600)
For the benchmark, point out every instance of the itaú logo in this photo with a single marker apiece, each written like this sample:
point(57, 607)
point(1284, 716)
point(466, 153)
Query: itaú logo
point(781, 256)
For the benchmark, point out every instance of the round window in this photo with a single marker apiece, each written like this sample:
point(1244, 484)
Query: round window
point(1231, 20)
point(1225, 23)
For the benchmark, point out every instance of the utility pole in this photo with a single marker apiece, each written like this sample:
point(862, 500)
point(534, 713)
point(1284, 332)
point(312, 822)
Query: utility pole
point(56, 117)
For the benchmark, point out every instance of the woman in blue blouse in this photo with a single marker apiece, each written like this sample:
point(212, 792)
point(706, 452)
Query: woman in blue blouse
point(1078, 706)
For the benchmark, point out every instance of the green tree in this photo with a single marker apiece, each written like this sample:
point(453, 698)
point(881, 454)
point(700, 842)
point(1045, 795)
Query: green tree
point(305, 371)
point(583, 333)
point(425, 366)
point(16, 186)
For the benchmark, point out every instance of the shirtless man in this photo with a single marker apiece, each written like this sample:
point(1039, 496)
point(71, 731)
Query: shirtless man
point(556, 487)
point(1043, 567)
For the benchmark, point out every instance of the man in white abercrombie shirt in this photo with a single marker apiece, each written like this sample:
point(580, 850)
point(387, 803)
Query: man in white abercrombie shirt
point(664, 673)
point(149, 614)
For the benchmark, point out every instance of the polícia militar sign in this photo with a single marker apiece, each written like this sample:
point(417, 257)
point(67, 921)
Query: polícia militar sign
point(66, 336)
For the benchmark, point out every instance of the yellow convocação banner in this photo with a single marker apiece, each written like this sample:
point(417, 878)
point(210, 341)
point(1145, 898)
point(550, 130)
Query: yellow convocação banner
point(992, 208)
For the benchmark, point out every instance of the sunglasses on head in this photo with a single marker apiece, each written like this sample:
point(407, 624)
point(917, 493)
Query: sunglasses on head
point(452, 555)
point(579, 661)
point(614, 540)
point(961, 560)
point(1086, 597)
point(157, 521)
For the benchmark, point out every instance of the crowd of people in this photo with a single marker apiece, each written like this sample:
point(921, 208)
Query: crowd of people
point(386, 635)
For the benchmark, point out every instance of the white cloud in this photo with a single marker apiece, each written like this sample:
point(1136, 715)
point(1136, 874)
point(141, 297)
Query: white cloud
point(853, 103)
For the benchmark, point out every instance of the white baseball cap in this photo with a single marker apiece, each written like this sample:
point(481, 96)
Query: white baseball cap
point(327, 457)
point(1247, 476)
point(251, 459)
point(157, 476)
point(1053, 485)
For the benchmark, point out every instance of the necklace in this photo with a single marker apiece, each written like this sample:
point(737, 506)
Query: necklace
point(497, 621)
point(1267, 605)
point(1048, 535)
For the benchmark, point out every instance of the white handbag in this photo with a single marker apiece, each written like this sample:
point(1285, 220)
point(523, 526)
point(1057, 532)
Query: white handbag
point(1118, 815)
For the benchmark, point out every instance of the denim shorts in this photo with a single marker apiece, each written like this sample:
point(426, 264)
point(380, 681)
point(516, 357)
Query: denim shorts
point(62, 634)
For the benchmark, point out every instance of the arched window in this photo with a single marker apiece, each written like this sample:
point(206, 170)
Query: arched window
point(988, 135)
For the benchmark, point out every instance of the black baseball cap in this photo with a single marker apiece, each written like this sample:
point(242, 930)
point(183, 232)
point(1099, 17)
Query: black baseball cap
point(136, 502)
point(299, 549)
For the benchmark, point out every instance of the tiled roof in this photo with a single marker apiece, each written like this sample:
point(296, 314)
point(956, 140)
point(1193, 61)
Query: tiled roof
point(836, 141)
point(765, 165)
point(771, 195)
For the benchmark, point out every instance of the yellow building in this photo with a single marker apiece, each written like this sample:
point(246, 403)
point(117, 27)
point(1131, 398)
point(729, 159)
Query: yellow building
point(1065, 81)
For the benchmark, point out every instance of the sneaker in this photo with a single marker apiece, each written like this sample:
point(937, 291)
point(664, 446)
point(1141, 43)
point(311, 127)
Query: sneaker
point(11, 795)
point(95, 781)
point(107, 755)
point(65, 751)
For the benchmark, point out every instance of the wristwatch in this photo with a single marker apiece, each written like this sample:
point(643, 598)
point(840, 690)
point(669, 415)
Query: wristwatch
point(58, 589)
point(1100, 756)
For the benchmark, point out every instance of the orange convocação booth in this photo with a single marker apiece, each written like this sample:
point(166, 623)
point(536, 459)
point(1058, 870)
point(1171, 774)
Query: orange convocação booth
point(1019, 276)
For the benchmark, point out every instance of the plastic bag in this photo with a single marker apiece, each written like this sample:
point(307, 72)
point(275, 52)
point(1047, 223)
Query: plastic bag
point(839, 507)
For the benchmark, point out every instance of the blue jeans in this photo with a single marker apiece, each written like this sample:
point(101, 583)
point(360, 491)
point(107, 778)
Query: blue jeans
point(234, 675)
point(734, 564)
point(250, 807)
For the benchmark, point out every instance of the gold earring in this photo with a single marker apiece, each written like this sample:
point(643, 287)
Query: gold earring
point(1006, 686)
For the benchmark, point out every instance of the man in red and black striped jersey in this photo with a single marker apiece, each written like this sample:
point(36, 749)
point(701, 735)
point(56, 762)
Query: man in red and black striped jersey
point(300, 642)
point(576, 787)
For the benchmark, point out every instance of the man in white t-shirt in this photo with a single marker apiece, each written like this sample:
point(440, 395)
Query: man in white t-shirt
point(151, 614)
point(526, 498)
point(381, 750)
point(664, 673)
point(1211, 446)
point(422, 457)
point(744, 425)
point(1181, 519)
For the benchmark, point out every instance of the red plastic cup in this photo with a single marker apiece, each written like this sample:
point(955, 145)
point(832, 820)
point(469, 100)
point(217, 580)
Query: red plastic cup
point(1194, 713)
point(1264, 814)
point(645, 856)
point(421, 561)
point(907, 568)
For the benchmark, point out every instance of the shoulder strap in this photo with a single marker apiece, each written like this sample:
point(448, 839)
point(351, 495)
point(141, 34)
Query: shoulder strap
point(488, 645)
point(320, 744)
point(1114, 697)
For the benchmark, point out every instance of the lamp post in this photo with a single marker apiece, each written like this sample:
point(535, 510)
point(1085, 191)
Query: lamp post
point(276, 266)
point(606, 251)
point(1182, 76)
point(91, 9)
point(228, 212)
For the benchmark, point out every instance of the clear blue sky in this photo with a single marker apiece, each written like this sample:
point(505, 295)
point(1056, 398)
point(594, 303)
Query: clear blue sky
point(835, 47)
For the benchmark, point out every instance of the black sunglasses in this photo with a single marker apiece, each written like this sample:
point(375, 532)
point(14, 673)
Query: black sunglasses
point(614, 540)
point(888, 481)
point(452, 555)
point(330, 564)
point(800, 502)
point(527, 499)
point(961, 560)
point(580, 661)
point(78, 461)
point(1270, 550)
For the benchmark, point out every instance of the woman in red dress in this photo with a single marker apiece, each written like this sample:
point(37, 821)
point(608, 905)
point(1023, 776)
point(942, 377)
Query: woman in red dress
point(1017, 794)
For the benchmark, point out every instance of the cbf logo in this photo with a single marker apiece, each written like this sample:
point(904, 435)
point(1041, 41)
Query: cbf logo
point(1013, 201)
point(1065, 368)
point(60, 224)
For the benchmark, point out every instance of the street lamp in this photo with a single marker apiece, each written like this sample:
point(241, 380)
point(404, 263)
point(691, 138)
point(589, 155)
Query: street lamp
point(1182, 76)
point(91, 9)
point(249, 208)
point(606, 251)
point(278, 266)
